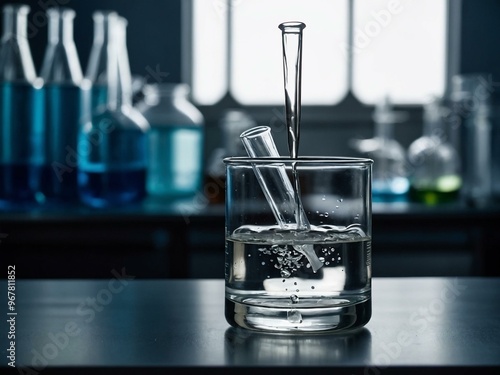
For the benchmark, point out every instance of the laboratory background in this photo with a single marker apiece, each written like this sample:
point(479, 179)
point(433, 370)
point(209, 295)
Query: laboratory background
point(116, 117)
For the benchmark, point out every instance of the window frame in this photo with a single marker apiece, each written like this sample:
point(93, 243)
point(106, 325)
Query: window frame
point(348, 112)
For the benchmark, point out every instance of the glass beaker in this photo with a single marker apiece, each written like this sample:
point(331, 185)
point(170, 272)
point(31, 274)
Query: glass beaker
point(270, 284)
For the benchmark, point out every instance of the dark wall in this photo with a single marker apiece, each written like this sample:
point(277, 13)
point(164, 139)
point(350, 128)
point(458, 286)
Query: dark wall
point(480, 39)
point(154, 38)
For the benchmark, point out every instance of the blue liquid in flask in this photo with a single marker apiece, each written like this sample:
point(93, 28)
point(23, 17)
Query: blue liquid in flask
point(21, 154)
point(175, 163)
point(113, 164)
point(63, 119)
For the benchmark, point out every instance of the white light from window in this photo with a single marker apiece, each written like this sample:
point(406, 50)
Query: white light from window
point(399, 50)
point(257, 56)
point(209, 63)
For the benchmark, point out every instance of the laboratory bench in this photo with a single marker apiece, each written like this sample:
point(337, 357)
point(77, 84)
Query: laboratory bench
point(185, 239)
point(123, 325)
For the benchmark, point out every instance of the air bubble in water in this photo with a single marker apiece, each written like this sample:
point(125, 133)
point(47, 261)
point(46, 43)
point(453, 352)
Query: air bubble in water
point(294, 316)
point(340, 200)
point(285, 273)
point(321, 259)
point(312, 286)
point(294, 298)
point(263, 263)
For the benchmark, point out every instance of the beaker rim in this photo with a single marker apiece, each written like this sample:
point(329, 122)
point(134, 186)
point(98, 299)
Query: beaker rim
point(303, 160)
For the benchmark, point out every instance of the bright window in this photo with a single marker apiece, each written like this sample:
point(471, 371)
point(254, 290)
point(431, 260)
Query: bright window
point(209, 66)
point(398, 48)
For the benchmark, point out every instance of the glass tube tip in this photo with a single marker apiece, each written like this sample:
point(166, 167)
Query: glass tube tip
point(255, 132)
point(292, 27)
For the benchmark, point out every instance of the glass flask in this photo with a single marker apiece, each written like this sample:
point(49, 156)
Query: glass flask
point(390, 180)
point(113, 145)
point(435, 164)
point(62, 75)
point(471, 109)
point(232, 124)
point(97, 66)
point(176, 137)
point(21, 113)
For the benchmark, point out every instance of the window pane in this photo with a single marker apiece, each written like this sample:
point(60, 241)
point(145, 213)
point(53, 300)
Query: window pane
point(399, 50)
point(209, 62)
point(257, 51)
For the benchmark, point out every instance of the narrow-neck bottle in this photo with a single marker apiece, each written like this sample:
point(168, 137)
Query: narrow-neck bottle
point(62, 75)
point(97, 66)
point(21, 114)
point(113, 144)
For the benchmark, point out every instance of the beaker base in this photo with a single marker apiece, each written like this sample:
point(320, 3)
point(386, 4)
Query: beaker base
point(296, 319)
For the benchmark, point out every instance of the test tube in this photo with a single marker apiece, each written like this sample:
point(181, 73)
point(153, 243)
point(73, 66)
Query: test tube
point(277, 188)
point(273, 179)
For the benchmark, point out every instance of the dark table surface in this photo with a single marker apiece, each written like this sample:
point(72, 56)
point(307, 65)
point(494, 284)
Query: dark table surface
point(120, 325)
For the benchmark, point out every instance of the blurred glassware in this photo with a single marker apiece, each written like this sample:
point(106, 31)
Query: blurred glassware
point(495, 152)
point(390, 180)
point(113, 144)
point(175, 165)
point(232, 123)
point(435, 164)
point(470, 110)
point(97, 67)
point(21, 114)
point(62, 75)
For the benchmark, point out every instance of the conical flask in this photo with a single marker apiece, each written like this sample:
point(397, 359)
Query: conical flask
point(113, 144)
point(62, 76)
point(21, 113)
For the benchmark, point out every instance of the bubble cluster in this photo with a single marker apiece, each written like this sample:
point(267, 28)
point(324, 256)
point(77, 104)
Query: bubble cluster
point(288, 259)
point(329, 253)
